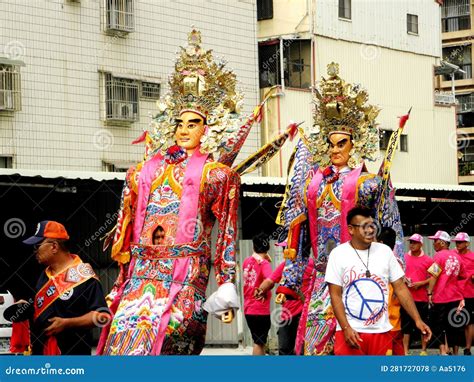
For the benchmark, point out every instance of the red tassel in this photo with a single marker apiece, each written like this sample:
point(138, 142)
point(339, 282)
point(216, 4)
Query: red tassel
point(292, 130)
point(51, 347)
point(404, 119)
point(141, 138)
point(20, 339)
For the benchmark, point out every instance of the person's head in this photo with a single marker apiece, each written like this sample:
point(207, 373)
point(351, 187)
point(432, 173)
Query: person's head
point(415, 243)
point(49, 241)
point(340, 145)
point(190, 127)
point(441, 240)
point(361, 225)
point(159, 236)
point(462, 241)
point(387, 236)
point(261, 243)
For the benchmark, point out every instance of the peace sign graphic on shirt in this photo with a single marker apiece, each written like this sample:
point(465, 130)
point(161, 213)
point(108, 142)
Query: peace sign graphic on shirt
point(364, 299)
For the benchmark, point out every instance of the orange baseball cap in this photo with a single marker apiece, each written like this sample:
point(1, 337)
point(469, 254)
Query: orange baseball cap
point(47, 229)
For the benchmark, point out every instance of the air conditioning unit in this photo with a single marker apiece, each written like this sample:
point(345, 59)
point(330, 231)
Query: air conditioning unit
point(123, 111)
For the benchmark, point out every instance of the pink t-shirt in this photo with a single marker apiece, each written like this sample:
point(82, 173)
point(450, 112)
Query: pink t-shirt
point(292, 308)
point(447, 287)
point(467, 285)
point(255, 270)
point(417, 270)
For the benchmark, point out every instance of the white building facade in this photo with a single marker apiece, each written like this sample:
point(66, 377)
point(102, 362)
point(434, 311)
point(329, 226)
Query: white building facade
point(391, 48)
point(80, 77)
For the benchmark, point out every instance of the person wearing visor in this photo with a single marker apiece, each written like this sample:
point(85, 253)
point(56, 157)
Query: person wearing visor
point(462, 241)
point(69, 300)
point(445, 294)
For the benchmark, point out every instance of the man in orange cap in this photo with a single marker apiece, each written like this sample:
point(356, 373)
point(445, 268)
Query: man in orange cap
point(69, 300)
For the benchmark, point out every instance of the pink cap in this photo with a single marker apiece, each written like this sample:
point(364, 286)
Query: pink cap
point(282, 244)
point(441, 235)
point(416, 237)
point(462, 236)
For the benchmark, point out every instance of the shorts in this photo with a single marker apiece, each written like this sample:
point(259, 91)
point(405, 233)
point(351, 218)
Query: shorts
point(446, 323)
point(408, 325)
point(372, 344)
point(259, 326)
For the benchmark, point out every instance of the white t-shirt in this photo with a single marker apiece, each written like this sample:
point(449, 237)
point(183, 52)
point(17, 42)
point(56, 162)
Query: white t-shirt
point(365, 299)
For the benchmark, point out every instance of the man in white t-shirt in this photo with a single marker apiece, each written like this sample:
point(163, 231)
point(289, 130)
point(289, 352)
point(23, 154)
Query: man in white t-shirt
point(359, 273)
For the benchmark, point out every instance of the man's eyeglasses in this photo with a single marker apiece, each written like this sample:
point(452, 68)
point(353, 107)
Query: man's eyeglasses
point(365, 226)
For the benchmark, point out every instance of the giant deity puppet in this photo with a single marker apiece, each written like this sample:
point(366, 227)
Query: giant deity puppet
point(176, 194)
point(329, 179)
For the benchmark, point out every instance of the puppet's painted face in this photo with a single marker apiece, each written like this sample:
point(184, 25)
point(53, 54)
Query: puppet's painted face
point(339, 147)
point(189, 130)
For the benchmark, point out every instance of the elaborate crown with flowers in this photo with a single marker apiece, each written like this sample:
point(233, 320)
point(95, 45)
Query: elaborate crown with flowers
point(342, 108)
point(201, 85)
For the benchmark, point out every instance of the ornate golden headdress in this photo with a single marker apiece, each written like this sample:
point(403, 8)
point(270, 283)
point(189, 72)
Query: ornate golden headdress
point(342, 108)
point(201, 85)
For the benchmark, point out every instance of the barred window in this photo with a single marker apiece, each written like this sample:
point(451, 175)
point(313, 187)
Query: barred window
point(456, 15)
point(345, 9)
point(264, 9)
point(150, 90)
point(10, 88)
point(6, 162)
point(121, 99)
point(412, 23)
point(119, 16)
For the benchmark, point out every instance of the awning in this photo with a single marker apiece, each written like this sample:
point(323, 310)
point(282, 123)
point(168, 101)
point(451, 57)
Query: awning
point(260, 184)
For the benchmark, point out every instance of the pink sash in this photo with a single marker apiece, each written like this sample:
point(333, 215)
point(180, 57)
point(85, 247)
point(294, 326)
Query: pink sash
point(187, 220)
point(347, 203)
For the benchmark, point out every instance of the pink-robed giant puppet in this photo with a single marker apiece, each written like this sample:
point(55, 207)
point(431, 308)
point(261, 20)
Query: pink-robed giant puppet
point(329, 179)
point(182, 187)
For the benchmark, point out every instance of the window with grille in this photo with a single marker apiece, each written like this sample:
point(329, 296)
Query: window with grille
point(121, 99)
point(150, 90)
point(345, 9)
point(264, 9)
point(119, 16)
point(412, 23)
point(404, 143)
point(296, 63)
point(6, 162)
point(10, 88)
point(456, 15)
point(461, 56)
point(113, 167)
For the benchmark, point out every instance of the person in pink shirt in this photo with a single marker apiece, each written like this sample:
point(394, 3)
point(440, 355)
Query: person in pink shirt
point(291, 313)
point(462, 241)
point(417, 279)
point(257, 268)
point(445, 294)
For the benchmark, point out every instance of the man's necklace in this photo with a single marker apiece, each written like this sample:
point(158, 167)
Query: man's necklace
point(367, 272)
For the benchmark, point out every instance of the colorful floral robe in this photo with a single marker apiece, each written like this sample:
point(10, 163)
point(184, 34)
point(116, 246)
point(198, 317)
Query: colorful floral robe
point(318, 323)
point(145, 287)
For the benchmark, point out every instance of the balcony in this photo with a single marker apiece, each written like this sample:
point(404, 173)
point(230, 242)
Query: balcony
point(444, 98)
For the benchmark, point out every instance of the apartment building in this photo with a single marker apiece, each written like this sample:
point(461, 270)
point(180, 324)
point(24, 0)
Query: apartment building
point(457, 39)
